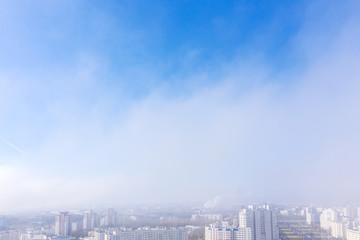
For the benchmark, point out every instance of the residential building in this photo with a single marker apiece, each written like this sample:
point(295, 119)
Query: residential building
point(352, 234)
point(227, 233)
point(63, 224)
point(262, 222)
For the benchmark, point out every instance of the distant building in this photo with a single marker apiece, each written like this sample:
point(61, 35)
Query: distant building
point(98, 235)
point(2, 223)
point(89, 220)
point(76, 226)
point(60, 238)
point(31, 236)
point(284, 212)
point(326, 217)
point(352, 235)
point(350, 212)
point(110, 219)
point(235, 221)
point(212, 217)
point(312, 216)
point(262, 222)
point(152, 234)
point(338, 229)
point(63, 224)
point(340, 222)
point(227, 233)
point(10, 235)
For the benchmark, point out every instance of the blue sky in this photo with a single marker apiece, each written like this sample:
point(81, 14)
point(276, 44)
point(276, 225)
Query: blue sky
point(186, 95)
point(156, 34)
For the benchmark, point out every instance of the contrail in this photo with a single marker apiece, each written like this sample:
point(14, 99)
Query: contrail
point(14, 147)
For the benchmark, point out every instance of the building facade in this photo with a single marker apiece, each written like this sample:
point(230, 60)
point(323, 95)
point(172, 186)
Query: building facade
point(152, 234)
point(63, 224)
point(10, 235)
point(352, 235)
point(227, 233)
point(89, 221)
point(262, 222)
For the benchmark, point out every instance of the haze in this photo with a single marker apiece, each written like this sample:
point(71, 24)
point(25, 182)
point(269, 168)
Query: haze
point(162, 102)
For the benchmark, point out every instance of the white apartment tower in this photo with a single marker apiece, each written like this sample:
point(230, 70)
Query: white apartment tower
point(312, 216)
point(338, 229)
point(89, 220)
point(63, 224)
point(111, 218)
point(326, 217)
point(261, 221)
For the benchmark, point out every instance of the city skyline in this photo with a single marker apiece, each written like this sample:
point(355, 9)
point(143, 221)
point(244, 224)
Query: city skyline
point(213, 103)
point(251, 222)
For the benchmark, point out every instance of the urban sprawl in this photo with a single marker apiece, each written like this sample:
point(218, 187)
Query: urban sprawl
point(252, 222)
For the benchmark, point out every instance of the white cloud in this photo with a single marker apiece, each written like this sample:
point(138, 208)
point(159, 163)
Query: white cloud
point(262, 141)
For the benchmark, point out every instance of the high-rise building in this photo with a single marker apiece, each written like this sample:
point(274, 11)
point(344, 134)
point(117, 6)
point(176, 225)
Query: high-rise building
point(63, 224)
point(111, 218)
point(326, 217)
point(350, 212)
point(338, 229)
point(312, 216)
point(262, 222)
point(77, 227)
point(89, 221)
point(2, 223)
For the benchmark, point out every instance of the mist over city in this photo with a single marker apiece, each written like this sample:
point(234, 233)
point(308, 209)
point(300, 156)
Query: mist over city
point(179, 120)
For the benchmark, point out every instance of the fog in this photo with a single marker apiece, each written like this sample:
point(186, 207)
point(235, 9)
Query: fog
point(241, 133)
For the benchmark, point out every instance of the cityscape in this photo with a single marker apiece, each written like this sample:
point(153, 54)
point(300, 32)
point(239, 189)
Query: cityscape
point(179, 120)
point(252, 222)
